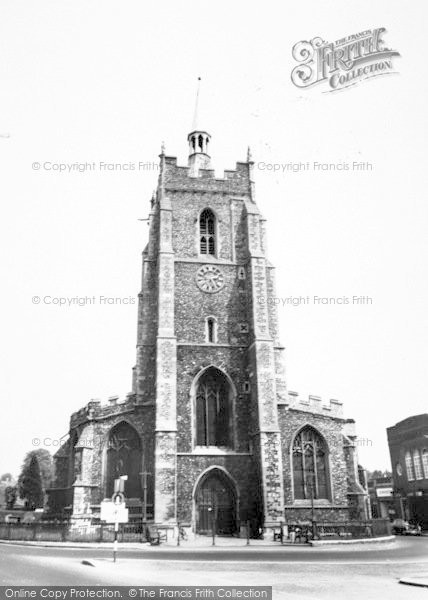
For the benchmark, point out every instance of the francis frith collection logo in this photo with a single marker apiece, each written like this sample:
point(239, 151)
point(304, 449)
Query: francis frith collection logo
point(342, 63)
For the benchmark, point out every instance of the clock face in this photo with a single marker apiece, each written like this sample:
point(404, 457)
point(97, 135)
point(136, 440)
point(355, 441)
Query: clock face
point(209, 279)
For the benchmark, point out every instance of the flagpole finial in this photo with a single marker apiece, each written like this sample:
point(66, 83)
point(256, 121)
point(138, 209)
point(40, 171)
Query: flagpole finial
point(196, 111)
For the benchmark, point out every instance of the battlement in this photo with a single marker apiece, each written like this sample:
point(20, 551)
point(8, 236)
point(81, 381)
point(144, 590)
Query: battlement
point(178, 178)
point(313, 404)
point(96, 409)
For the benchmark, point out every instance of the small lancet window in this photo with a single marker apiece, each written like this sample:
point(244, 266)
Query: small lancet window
point(241, 273)
point(201, 142)
point(207, 232)
point(211, 330)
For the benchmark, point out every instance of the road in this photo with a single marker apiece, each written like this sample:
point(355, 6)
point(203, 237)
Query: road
point(345, 573)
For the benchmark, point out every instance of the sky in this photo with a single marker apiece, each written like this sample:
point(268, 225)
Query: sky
point(105, 83)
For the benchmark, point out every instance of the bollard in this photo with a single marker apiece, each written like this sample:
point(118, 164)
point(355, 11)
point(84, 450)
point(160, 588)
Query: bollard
point(116, 529)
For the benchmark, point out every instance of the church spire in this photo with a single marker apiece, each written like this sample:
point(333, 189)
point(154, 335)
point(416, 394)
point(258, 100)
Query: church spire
point(199, 141)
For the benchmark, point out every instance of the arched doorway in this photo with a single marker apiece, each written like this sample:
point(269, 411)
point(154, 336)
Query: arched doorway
point(216, 502)
point(124, 458)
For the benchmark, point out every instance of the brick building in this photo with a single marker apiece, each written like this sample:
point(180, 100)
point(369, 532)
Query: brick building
point(209, 426)
point(408, 447)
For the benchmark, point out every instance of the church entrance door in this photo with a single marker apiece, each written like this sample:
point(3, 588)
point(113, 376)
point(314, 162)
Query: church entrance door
point(215, 504)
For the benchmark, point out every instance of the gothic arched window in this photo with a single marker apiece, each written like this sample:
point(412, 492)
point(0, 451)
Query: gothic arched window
point(310, 470)
point(124, 457)
point(207, 232)
point(213, 410)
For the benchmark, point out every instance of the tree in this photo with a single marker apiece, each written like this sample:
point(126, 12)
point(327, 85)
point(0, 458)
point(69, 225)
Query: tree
point(10, 496)
point(44, 460)
point(30, 484)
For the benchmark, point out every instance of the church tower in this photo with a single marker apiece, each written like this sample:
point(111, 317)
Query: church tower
point(209, 366)
point(209, 436)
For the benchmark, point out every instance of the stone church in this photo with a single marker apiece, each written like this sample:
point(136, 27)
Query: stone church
point(209, 427)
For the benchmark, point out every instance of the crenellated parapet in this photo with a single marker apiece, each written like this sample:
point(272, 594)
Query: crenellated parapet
point(98, 409)
point(314, 404)
point(235, 181)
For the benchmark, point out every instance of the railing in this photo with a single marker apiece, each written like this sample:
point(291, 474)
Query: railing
point(34, 531)
point(62, 532)
point(136, 531)
point(344, 530)
point(325, 530)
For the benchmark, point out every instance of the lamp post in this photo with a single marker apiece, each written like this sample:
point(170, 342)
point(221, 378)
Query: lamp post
point(144, 474)
point(211, 510)
point(312, 492)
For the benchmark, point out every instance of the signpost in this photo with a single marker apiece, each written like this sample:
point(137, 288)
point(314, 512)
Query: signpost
point(115, 511)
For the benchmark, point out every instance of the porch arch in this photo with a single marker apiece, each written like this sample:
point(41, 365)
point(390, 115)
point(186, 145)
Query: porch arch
point(216, 502)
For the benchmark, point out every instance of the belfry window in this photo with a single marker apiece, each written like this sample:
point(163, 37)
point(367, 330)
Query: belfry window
point(207, 232)
point(310, 470)
point(213, 409)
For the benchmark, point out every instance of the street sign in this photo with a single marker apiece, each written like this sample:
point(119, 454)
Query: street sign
point(112, 512)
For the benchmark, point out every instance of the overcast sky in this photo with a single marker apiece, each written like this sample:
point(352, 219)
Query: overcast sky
point(108, 82)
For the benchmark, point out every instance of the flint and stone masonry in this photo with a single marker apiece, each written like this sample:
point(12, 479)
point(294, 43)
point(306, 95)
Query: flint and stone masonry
point(209, 433)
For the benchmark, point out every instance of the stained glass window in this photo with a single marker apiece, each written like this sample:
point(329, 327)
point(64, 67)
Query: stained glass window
point(310, 471)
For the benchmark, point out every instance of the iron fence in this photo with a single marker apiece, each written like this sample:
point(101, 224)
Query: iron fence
point(63, 532)
point(136, 531)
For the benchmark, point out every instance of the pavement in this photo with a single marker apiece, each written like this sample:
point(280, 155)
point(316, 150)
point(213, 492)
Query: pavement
point(355, 571)
point(201, 542)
